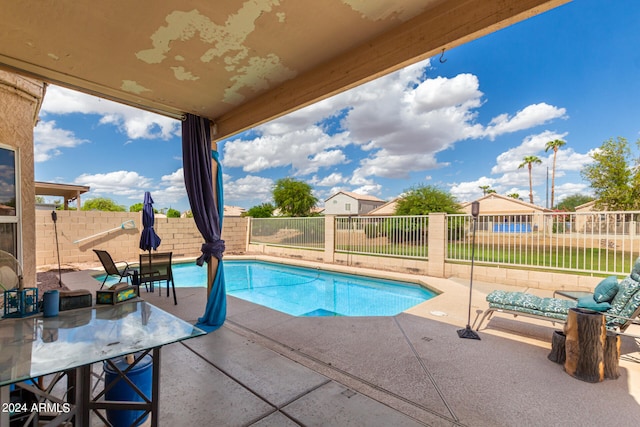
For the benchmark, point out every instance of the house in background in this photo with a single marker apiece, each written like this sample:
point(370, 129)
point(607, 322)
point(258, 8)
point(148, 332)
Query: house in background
point(387, 209)
point(509, 215)
point(348, 203)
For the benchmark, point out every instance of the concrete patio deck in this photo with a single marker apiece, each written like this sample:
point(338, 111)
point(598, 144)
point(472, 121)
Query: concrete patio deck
point(266, 368)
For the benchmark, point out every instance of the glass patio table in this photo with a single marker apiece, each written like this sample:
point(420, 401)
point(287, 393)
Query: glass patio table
point(33, 347)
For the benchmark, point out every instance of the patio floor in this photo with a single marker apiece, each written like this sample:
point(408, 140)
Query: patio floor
point(266, 368)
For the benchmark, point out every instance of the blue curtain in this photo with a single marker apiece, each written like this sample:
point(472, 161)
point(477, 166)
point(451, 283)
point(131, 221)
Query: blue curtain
point(207, 214)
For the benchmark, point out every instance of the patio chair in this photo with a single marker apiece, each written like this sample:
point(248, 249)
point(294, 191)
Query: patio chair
point(111, 268)
point(156, 267)
point(620, 313)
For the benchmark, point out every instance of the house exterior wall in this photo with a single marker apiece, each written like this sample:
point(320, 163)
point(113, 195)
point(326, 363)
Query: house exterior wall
point(367, 206)
point(20, 100)
point(336, 205)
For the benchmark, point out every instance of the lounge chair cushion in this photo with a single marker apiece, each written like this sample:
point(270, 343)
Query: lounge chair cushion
point(627, 311)
point(606, 289)
point(627, 288)
point(532, 304)
point(590, 303)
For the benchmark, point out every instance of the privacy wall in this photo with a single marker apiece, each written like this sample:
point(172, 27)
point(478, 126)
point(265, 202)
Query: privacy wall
point(79, 232)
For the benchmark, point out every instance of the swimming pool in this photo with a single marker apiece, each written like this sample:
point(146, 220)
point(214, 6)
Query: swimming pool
point(302, 291)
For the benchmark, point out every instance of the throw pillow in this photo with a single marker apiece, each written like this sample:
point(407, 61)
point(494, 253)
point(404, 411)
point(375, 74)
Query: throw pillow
point(591, 304)
point(606, 290)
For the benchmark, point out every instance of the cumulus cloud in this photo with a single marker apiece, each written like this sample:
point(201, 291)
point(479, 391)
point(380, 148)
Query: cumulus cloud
point(133, 122)
point(122, 183)
point(399, 123)
point(528, 117)
point(48, 140)
point(328, 181)
point(307, 150)
point(254, 188)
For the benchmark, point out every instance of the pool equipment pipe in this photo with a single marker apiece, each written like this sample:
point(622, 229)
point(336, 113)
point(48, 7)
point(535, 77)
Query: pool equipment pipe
point(468, 332)
point(124, 226)
point(54, 217)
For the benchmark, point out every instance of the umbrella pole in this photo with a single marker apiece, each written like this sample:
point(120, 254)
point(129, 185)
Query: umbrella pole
point(468, 332)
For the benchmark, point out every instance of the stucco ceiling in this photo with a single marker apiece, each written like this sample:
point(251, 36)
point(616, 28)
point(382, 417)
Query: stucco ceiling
point(237, 62)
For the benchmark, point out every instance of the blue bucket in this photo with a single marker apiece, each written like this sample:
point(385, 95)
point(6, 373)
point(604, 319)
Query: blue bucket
point(141, 376)
point(51, 303)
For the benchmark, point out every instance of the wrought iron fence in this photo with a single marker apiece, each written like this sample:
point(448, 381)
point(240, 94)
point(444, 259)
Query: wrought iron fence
point(307, 233)
point(400, 236)
point(598, 242)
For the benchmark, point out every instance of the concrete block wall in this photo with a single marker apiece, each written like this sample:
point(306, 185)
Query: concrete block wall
point(179, 235)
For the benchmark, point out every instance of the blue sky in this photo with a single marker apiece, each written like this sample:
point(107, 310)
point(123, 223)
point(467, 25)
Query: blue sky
point(571, 73)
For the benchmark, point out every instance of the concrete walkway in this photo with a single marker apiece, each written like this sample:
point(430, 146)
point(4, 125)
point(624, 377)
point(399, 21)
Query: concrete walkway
point(266, 368)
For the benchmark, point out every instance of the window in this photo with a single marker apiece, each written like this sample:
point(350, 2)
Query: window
point(347, 207)
point(9, 201)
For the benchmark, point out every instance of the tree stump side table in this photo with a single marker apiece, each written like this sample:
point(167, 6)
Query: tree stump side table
point(591, 353)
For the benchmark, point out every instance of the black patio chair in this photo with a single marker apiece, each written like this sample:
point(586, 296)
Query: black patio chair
point(156, 267)
point(111, 268)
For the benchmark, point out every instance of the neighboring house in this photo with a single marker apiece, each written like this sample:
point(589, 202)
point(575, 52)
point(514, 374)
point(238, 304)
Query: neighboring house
point(387, 209)
point(348, 203)
point(68, 192)
point(228, 211)
point(233, 210)
point(510, 215)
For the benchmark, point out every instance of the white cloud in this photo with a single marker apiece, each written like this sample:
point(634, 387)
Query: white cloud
point(135, 123)
point(49, 139)
point(121, 183)
point(328, 181)
point(250, 187)
point(530, 116)
point(402, 120)
point(306, 150)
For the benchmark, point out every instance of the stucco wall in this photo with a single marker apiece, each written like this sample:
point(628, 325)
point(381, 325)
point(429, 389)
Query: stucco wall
point(20, 100)
point(75, 228)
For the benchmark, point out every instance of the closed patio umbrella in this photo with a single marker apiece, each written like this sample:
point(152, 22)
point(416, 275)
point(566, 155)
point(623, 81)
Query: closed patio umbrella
point(148, 238)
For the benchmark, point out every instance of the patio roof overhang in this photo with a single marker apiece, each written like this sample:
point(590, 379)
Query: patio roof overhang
point(239, 63)
point(68, 192)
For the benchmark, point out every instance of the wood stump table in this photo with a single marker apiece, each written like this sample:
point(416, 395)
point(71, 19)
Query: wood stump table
point(592, 354)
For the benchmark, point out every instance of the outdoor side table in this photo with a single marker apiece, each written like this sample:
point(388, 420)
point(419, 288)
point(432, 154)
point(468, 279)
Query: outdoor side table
point(73, 341)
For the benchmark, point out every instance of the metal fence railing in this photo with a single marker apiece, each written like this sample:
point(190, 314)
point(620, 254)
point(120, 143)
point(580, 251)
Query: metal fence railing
point(307, 233)
point(400, 236)
point(601, 242)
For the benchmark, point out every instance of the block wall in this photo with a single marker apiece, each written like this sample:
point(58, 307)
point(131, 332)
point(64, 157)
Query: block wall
point(79, 232)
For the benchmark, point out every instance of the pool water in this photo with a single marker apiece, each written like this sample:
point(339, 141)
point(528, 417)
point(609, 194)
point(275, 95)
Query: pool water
point(302, 291)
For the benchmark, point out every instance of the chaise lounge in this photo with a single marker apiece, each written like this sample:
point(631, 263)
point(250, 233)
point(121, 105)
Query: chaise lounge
point(619, 302)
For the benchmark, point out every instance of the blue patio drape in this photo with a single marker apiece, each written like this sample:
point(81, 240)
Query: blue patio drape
point(207, 214)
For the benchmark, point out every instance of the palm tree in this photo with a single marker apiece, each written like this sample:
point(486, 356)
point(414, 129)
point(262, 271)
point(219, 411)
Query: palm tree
point(529, 161)
point(484, 189)
point(554, 145)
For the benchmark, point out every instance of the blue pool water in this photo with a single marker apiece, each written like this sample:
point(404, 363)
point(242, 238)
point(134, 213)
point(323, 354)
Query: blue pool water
point(308, 292)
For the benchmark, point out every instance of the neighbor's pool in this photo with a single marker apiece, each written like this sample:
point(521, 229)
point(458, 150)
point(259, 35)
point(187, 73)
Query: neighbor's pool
point(302, 291)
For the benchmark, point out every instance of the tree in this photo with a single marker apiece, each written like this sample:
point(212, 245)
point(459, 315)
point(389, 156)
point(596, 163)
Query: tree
point(514, 196)
point(293, 198)
point(614, 176)
point(136, 207)
point(102, 204)
point(264, 210)
point(569, 203)
point(173, 213)
point(424, 199)
point(484, 189)
point(554, 145)
point(529, 161)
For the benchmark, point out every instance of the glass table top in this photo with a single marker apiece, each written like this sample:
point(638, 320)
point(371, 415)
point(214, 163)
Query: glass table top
point(36, 346)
